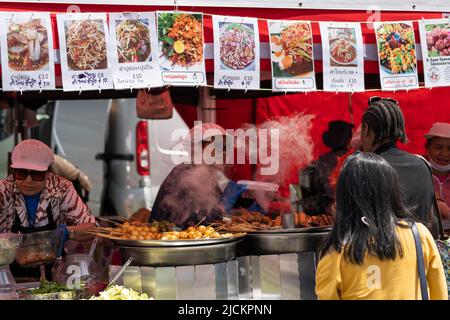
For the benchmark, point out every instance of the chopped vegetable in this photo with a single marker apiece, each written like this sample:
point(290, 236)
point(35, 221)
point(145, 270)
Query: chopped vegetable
point(49, 287)
point(237, 46)
point(86, 44)
point(133, 39)
point(121, 293)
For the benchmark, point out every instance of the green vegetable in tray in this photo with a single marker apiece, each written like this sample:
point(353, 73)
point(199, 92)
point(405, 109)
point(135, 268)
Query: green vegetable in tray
point(49, 287)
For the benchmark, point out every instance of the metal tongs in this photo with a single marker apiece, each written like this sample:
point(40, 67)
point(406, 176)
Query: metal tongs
point(118, 274)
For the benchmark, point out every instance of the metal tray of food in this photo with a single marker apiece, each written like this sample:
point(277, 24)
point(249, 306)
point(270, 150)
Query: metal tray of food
point(285, 241)
point(64, 295)
point(176, 243)
point(210, 252)
point(292, 230)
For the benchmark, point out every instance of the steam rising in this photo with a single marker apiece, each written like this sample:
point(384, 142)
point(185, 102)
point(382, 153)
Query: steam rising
point(193, 191)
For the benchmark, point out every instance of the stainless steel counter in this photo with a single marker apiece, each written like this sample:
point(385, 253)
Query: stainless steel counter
point(268, 266)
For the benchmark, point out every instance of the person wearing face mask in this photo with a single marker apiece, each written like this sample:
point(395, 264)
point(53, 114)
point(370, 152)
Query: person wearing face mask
point(438, 154)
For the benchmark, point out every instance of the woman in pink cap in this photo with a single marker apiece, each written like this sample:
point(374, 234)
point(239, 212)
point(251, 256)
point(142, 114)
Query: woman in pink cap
point(438, 153)
point(33, 199)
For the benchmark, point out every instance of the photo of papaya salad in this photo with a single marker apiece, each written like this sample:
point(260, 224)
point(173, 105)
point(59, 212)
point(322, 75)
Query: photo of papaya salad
point(180, 38)
point(133, 40)
point(396, 48)
point(86, 44)
point(237, 46)
point(292, 48)
point(27, 45)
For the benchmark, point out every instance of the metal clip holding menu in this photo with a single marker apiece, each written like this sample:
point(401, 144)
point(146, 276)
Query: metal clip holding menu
point(27, 51)
point(236, 53)
point(85, 51)
point(134, 50)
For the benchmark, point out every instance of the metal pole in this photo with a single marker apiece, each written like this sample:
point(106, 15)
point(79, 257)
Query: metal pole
point(207, 106)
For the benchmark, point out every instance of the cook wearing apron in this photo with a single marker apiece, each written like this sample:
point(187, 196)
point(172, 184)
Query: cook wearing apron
point(33, 199)
point(16, 269)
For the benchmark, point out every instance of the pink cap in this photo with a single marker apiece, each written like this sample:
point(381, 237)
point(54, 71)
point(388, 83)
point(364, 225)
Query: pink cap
point(32, 155)
point(439, 129)
point(207, 130)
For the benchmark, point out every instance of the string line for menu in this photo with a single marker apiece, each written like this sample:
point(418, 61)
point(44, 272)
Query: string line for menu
point(245, 90)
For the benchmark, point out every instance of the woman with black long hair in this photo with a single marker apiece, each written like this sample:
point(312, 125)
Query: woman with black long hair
point(370, 252)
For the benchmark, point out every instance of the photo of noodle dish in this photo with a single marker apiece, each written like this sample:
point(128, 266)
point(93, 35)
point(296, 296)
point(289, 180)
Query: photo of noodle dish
point(292, 50)
point(86, 45)
point(28, 48)
point(237, 46)
point(133, 40)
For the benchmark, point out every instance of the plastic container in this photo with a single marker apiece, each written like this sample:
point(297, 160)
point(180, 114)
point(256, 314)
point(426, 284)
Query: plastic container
point(9, 242)
point(260, 186)
point(81, 272)
point(38, 248)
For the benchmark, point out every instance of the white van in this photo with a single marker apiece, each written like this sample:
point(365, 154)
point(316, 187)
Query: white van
point(125, 157)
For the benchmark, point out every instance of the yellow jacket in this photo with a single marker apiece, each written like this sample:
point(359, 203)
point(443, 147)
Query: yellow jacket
point(378, 279)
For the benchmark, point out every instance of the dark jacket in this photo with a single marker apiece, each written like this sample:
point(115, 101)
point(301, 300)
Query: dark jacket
point(415, 179)
point(188, 194)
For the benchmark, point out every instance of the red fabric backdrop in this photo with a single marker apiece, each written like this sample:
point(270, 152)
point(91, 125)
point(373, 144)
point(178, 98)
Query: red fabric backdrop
point(421, 108)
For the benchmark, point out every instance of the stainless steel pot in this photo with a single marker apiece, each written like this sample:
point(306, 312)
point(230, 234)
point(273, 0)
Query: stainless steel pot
point(178, 253)
point(284, 241)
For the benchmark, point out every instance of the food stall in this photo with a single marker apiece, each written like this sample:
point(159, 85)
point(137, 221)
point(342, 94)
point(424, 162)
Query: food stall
point(248, 256)
point(264, 262)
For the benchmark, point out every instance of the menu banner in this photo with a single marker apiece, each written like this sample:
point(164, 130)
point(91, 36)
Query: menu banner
point(396, 55)
point(236, 53)
point(135, 50)
point(435, 42)
point(343, 56)
point(85, 51)
point(292, 57)
point(181, 48)
point(27, 51)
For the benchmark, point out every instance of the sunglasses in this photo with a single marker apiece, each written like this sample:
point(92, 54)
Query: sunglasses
point(22, 174)
point(376, 99)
